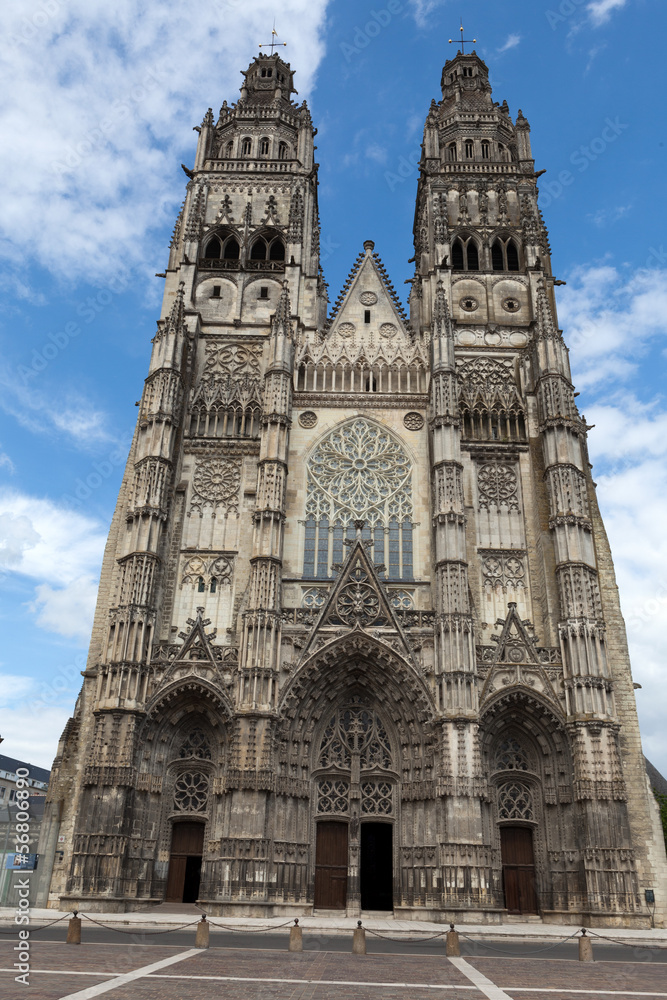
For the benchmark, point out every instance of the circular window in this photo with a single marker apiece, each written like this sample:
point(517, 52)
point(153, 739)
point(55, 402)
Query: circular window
point(308, 419)
point(346, 329)
point(413, 421)
point(469, 304)
point(511, 305)
point(368, 298)
point(388, 330)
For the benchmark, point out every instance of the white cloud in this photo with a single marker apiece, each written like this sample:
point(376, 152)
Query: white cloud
point(423, 9)
point(69, 610)
point(59, 548)
point(609, 317)
point(511, 43)
point(116, 91)
point(31, 728)
point(601, 10)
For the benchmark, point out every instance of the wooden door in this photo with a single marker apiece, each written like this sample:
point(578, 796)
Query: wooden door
point(187, 846)
point(331, 866)
point(516, 844)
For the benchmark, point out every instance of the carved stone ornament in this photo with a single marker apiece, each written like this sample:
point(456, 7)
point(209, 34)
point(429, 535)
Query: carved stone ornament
point(497, 485)
point(511, 305)
point(216, 484)
point(388, 330)
point(368, 298)
point(468, 304)
point(346, 330)
point(413, 421)
point(308, 419)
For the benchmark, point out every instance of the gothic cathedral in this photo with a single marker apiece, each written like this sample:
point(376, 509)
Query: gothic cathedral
point(358, 644)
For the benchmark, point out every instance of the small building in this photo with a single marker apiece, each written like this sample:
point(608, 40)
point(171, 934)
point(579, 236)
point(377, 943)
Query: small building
point(38, 779)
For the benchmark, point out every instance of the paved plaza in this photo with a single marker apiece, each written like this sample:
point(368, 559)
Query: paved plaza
point(131, 971)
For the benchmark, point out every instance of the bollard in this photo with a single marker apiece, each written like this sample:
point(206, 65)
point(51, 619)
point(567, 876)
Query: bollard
point(452, 944)
point(585, 947)
point(295, 937)
point(203, 933)
point(359, 940)
point(74, 929)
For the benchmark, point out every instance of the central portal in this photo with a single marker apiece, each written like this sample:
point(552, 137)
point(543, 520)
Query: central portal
point(377, 869)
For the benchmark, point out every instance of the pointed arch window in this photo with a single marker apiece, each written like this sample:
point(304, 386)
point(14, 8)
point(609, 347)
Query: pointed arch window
point(213, 249)
point(504, 254)
point(232, 250)
point(229, 150)
point(268, 248)
point(452, 155)
point(511, 755)
point(515, 801)
point(465, 254)
point(355, 738)
point(359, 472)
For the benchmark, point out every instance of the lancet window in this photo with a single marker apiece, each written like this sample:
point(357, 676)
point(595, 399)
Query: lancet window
point(504, 255)
point(465, 254)
point(359, 472)
point(515, 801)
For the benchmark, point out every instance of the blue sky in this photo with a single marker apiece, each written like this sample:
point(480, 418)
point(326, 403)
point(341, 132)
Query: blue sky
point(98, 117)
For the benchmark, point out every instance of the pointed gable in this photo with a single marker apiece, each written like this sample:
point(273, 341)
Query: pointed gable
point(358, 600)
point(368, 309)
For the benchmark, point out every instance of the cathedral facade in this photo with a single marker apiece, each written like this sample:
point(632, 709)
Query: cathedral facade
point(358, 644)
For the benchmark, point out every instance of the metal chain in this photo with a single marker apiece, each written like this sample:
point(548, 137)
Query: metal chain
point(254, 930)
point(388, 937)
point(628, 944)
point(33, 930)
point(503, 951)
point(122, 930)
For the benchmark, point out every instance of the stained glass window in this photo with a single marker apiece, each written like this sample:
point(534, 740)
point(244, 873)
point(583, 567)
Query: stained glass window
point(359, 472)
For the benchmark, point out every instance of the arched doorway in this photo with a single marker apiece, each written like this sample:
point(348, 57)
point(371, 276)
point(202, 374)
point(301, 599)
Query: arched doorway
point(355, 808)
point(187, 846)
point(518, 860)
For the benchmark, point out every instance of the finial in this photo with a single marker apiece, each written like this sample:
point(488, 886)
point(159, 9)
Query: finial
point(464, 41)
point(369, 246)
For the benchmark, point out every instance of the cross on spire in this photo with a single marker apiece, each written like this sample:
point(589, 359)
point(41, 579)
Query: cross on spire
point(273, 43)
point(464, 41)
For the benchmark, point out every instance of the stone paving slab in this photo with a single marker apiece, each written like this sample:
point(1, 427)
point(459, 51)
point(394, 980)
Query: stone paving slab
point(44, 987)
point(554, 973)
point(88, 957)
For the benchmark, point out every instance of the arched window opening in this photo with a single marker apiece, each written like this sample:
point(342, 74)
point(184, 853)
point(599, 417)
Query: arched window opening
point(511, 755)
point(451, 152)
point(505, 255)
point(213, 249)
point(232, 250)
point(359, 472)
point(465, 255)
point(258, 249)
point(201, 586)
point(246, 146)
point(470, 149)
point(277, 249)
point(196, 745)
point(229, 150)
point(282, 151)
point(457, 255)
point(214, 585)
point(264, 146)
point(485, 149)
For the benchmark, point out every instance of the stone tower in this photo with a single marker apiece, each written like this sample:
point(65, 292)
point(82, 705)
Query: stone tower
point(358, 642)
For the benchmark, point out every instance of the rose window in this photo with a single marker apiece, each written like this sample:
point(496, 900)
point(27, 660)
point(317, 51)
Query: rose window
point(191, 792)
point(359, 472)
point(497, 485)
point(216, 484)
